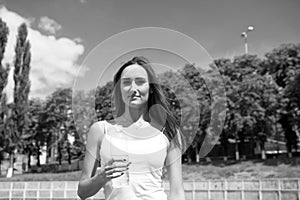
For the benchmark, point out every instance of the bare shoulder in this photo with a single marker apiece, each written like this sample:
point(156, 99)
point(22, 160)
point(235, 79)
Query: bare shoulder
point(96, 131)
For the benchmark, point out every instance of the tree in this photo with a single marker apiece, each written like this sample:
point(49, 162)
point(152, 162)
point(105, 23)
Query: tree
point(292, 92)
point(103, 102)
point(55, 117)
point(286, 121)
point(228, 73)
point(84, 114)
point(251, 101)
point(283, 64)
point(21, 91)
point(36, 136)
point(4, 71)
point(195, 78)
point(182, 91)
point(3, 128)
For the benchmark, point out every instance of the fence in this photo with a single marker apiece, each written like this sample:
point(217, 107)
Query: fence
point(267, 189)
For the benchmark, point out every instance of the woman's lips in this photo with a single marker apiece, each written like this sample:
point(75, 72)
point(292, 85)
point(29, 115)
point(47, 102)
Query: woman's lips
point(135, 97)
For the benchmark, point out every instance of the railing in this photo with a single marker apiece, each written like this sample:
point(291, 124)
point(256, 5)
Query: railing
point(265, 189)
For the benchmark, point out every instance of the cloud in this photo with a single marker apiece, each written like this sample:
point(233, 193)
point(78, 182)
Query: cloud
point(49, 25)
point(82, 1)
point(53, 60)
point(78, 40)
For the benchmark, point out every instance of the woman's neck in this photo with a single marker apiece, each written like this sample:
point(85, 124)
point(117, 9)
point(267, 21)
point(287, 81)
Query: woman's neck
point(134, 115)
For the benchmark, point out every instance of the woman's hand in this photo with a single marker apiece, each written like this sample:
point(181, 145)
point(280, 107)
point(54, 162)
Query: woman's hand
point(113, 169)
point(93, 178)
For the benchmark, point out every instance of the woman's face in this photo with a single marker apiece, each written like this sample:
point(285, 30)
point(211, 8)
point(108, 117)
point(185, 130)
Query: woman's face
point(134, 85)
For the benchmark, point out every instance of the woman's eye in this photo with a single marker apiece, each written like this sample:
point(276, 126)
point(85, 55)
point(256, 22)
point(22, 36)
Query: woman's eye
point(126, 82)
point(140, 82)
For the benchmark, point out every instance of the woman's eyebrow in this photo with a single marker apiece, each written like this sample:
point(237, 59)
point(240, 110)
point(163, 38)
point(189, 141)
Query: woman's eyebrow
point(140, 78)
point(126, 79)
point(137, 78)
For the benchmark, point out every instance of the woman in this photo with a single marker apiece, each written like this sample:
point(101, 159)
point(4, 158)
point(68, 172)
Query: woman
point(152, 136)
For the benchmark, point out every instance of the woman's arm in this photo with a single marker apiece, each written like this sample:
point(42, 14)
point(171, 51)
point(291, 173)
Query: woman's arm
point(92, 180)
point(173, 165)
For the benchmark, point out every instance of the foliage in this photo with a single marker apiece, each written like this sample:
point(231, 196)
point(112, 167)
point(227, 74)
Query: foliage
point(56, 117)
point(104, 102)
point(16, 122)
point(252, 99)
point(292, 92)
point(36, 135)
point(4, 71)
point(283, 63)
point(84, 116)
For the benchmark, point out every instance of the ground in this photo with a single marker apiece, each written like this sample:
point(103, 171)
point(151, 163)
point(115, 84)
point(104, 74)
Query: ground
point(252, 169)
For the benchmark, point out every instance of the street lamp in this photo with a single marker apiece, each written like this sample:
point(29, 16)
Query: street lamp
point(245, 35)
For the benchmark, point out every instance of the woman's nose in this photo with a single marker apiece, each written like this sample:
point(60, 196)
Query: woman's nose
point(133, 86)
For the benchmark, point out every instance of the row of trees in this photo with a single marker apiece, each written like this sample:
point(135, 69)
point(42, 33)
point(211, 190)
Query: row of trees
point(262, 100)
point(262, 95)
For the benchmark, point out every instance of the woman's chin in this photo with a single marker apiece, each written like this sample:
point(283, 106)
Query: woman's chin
point(136, 105)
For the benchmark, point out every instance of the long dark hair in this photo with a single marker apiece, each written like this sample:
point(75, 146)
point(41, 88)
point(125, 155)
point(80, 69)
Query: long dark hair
point(160, 113)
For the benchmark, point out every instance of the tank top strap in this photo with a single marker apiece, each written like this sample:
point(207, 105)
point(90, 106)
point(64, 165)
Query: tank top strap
point(105, 127)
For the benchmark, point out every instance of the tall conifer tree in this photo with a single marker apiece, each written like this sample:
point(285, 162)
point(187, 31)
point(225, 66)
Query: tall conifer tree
point(21, 89)
point(4, 70)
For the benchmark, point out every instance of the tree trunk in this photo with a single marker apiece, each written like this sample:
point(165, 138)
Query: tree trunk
point(263, 154)
point(225, 147)
point(38, 164)
point(263, 151)
point(189, 160)
point(10, 170)
point(252, 143)
point(237, 153)
point(289, 149)
point(11, 159)
point(29, 159)
point(241, 146)
point(69, 155)
point(197, 154)
point(296, 147)
point(59, 153)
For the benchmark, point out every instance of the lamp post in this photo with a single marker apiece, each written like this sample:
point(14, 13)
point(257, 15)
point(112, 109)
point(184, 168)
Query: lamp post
point(245, 36)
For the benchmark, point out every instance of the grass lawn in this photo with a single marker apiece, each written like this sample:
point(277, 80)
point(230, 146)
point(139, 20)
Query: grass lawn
point(253, 169)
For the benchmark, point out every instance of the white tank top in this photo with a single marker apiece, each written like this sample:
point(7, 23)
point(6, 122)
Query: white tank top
point(147, 156)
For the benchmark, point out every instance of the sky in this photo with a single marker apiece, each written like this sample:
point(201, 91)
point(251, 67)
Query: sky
point(81, 43)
